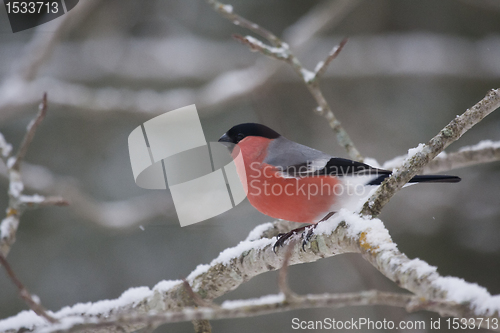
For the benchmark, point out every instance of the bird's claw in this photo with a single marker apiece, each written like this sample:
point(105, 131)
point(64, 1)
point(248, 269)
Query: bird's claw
point(307, 237)
point(281, 238)
point(306, 233)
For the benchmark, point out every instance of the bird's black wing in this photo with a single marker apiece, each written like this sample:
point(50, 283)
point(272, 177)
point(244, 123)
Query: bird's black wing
point(335, 167)
point(296, 160)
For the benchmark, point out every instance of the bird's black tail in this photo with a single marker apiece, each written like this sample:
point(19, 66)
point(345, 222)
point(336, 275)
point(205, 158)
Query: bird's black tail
point(435, 179)
point(421, 179)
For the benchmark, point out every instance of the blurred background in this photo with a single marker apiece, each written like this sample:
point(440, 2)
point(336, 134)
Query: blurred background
point(409, 67)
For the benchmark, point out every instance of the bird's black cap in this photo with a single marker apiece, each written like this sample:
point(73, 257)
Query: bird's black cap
point(241, 131)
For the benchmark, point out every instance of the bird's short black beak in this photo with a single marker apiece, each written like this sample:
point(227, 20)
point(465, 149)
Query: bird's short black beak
point(225, 138)
point(227, 141)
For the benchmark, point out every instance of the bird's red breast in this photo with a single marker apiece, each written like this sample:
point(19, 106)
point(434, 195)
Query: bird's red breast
point(306, 199)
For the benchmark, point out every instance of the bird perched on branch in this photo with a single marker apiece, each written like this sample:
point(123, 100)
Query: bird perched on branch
point(286, 180)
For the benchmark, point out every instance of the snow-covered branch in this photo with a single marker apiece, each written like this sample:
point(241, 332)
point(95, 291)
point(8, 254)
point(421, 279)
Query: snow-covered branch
point(485, 151)
point(260, 306)
point(419, 157)
point(345, 232)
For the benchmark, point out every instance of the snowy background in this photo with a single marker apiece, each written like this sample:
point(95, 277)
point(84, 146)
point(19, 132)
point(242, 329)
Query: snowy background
point(408, 69)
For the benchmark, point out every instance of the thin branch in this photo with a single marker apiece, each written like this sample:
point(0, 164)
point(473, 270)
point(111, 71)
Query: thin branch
point(195, 297)
point(200, 325)
point(466, 156)
point(255, 45)
point(33, 125)
point(23, 292)
point(281, 51)
point(323, 65)
point(424, 154)
point(282, 276)
point(227, 12)
point(36, 201)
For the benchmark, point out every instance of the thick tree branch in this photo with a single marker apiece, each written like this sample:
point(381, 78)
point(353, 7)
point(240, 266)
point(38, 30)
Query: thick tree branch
point(345, 232)
point(265, 305)
point(425, 153)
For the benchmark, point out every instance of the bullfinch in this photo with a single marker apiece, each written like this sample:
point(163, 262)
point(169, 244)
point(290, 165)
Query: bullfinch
point(286, 180)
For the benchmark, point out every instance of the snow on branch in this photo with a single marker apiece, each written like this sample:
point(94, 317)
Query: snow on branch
point(484, 152)
point(268, 304)
point(419, 157)
point(345, 232)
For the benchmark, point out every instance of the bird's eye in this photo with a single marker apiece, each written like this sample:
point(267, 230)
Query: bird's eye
point(240, 137)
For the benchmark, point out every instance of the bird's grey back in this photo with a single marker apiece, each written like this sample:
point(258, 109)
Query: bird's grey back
point(284, 153)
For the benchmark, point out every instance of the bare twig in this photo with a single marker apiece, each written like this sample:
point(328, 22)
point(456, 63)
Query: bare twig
point(35, 201)
point(200, 325)
point(33, 125)
point(281, 51)
point(282, 276)
point(323, 65)
point(195, 297)
point(23, 292)
point(227, 12)
point(414, 164)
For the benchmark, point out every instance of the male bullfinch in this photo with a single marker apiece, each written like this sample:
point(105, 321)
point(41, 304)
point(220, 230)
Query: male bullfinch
point(290, 181)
